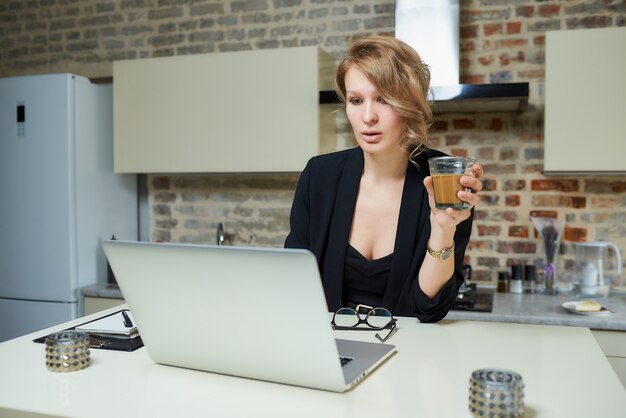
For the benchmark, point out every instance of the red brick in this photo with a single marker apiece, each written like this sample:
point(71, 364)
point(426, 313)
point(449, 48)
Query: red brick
point(544, 214)
point(604, 202)
point(463, 124)
point(496, 124)
point(469, 31)
point(517, 247)
point(488, 230)
point(525, 11)
point(486, 153)
point(559, 185)
point(489, 199)
point(486, 61)
point(513, 27)
point(605, 186)
point(508, 154)
point(578, 202)
point(518, 231)
point(492, 28)
point(539, 40)
point(531, 137)
point(490, 185)
point(530, 74)
point(439, 125)
point(161, 183)
point(512, 200)
point(590, 22)
point(574, 234)
point(486, 262)
point(472, 79)
point(509, 215)
point(458, 152)
point(468, 46)
point(453, 139)
point(514, 185)
point(165, 197)
point(434, 142)
point(549, 10)
point(532, 168)
point(481, 276)
point(480, 215)
point(480, 245)
point(499, 168)
point(512, 43)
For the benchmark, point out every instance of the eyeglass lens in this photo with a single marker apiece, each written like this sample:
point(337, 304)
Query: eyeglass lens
point(376, 318)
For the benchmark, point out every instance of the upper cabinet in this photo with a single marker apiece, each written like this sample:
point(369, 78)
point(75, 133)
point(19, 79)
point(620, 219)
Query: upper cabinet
point(585, 119)
point(249, 112)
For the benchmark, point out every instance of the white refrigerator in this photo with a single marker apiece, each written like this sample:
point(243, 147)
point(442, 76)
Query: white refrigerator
point(59, 197)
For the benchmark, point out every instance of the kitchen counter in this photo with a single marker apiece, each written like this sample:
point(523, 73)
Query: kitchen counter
point(507, 307)
point(428, 376)
point(101, 290)
point(547, 310)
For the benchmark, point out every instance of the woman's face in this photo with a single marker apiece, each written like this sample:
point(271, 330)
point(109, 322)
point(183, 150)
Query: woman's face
point(377, 127)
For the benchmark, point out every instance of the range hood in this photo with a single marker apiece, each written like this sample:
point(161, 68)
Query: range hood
point(431, 27)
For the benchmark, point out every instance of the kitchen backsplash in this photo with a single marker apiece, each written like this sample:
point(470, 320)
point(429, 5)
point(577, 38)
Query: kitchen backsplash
point(500, 42)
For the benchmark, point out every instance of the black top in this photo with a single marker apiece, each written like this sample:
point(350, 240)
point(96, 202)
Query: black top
point(321, 218)
point(365, 281)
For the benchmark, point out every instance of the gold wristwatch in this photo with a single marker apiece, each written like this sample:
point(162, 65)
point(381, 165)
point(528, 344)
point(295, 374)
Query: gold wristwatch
point(442, 254)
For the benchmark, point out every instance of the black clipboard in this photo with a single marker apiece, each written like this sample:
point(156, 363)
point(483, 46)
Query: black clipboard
point(106, 342)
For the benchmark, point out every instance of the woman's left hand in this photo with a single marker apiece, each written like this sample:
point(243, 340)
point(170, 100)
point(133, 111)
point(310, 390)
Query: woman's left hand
point(452, 217)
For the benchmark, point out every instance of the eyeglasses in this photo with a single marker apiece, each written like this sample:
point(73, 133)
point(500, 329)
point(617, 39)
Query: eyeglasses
point(377, 319)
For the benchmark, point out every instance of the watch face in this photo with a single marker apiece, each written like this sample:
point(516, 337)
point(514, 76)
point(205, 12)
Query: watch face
point(445, 255)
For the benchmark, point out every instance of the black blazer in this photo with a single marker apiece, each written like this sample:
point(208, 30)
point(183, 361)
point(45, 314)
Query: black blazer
point(321, 218)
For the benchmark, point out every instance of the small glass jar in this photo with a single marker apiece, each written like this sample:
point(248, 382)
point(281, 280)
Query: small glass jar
point(503, 282)
point(517, 271)
point(529, 279)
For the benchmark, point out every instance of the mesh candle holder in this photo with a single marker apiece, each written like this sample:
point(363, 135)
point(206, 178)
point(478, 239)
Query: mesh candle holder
point(67, 351)
point(496, 393)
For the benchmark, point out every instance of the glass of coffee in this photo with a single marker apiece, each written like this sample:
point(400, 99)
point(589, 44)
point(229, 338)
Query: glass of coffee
point(446, 173)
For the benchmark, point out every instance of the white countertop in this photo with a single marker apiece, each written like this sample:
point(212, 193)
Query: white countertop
point(564, 370)
point(547, 310)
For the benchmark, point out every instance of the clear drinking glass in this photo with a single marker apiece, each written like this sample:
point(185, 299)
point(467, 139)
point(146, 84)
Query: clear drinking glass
point(496, 393)
point(446, 173)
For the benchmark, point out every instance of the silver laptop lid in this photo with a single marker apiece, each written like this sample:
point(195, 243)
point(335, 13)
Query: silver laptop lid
point(252, 312)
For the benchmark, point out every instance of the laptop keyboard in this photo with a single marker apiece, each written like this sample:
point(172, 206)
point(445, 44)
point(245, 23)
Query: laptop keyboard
point(345, 360)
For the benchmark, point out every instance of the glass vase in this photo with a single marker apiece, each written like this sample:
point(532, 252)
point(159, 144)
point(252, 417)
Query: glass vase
point(550, 230)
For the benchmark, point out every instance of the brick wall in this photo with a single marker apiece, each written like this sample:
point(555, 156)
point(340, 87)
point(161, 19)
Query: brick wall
point(502, 41)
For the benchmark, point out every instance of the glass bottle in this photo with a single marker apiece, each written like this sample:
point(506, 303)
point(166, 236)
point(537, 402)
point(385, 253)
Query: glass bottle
point(529, 278)
point(517, 271)
point(503, 282)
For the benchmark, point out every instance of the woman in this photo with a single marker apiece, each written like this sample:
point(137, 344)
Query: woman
point(368, 213)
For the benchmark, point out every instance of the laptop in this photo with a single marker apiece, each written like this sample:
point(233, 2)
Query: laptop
point(251, 312)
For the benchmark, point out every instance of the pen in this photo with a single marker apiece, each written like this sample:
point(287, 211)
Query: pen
point(127, 322)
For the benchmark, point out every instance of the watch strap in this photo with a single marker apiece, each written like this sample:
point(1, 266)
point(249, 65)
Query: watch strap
point(442, 254)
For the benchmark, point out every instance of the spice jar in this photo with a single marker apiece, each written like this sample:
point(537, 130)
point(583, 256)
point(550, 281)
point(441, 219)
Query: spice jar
point(517, 271)
point(503, 282)
point(529, 279)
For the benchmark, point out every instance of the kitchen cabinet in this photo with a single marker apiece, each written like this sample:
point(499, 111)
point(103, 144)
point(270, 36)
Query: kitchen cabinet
point(585, 93)
point(245, 111)
point(613, 344)
point(97, 304)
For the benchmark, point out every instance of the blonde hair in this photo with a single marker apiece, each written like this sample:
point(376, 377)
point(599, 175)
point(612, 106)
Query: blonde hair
point(402, 78)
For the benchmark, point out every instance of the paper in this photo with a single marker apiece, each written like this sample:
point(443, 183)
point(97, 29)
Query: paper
point(112, 325)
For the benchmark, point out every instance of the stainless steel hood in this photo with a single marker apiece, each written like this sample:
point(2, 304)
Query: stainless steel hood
point(431, 27)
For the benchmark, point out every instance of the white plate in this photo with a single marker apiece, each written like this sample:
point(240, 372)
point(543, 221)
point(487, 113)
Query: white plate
point(571, 307)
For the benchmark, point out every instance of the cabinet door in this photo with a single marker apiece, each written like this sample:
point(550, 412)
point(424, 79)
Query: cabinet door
point(585, 119)
point(249, 111)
